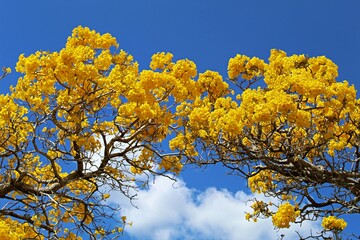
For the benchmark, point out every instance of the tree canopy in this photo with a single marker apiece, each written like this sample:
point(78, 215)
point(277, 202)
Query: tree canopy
point(86, 120)
point(296, 138)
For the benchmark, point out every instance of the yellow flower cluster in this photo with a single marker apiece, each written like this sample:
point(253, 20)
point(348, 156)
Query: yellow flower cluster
point(333, 223)
point(212, 83)
point(285, 214)
point(7, 70)
point(261, 182)
point(14, 127)
point(184, 143)
point(171, 163)
point(161, 61)
point(248, 68)
point(185, 87)
point(143, 162)
point(13, 230)
point(83, 36)
point(260, 208)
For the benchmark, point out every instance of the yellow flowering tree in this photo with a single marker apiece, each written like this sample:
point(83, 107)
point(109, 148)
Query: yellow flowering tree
point(286, 125)
point(81, 122)
point(85, 119)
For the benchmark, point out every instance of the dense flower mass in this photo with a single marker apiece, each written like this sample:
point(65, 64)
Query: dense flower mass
point(333, 223)
point(261, 182)
point(13, 230)
point(300, 129)
point(285, 214)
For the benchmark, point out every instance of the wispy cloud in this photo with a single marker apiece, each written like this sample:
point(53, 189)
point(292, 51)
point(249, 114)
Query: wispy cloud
point(168, 210)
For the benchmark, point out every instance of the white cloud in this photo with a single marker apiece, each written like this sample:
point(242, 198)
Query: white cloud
point(173, 211)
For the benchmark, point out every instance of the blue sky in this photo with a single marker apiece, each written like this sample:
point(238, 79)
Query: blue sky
point(208, 32)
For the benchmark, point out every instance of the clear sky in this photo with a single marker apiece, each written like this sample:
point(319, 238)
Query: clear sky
point(206, 204)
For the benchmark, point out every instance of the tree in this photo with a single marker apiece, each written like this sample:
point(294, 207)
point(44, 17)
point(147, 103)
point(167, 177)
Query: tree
point(79, 123)
point(85, 121)
point(295, 137)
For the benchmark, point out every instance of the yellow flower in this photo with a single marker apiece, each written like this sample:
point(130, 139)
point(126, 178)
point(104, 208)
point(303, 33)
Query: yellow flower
point(236, 65)
point(161, 61)
point(171, 163)
point(334, 224)
point(261, 182)
point(212, 82)
point(248, 216)
point(105, 196)
point(286, 213)
point(100, 231)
